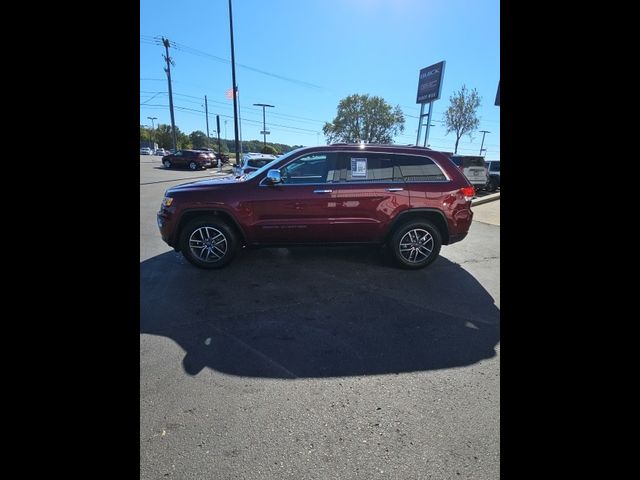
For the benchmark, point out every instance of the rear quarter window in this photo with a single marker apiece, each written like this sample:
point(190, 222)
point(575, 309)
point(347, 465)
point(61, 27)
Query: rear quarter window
point(419, 169)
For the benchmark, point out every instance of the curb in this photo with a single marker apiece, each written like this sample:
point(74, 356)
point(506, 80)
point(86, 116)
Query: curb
point(486, 199)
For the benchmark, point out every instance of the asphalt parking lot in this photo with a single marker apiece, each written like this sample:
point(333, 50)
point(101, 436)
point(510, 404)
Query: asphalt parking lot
point(318, 362)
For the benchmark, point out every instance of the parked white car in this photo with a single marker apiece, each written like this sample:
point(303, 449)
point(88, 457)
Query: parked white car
point(146, 151)
point(161, 151)
point(251, 162)
point(473, 168)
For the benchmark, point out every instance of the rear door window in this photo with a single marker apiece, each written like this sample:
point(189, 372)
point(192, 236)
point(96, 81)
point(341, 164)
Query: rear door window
point(365, 167)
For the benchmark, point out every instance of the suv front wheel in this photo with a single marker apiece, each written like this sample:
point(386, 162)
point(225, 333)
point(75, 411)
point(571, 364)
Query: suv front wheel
point(416, 244)
point(208, 243)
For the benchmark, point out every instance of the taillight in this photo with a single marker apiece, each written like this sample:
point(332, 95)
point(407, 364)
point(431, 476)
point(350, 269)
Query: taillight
point(468, 192)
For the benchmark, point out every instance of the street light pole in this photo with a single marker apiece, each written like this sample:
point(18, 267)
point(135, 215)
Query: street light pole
point(153, 134)
point(264, 123)
point(484, 132)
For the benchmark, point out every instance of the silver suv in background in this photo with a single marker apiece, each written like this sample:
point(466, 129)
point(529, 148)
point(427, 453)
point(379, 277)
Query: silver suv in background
point(473, 167)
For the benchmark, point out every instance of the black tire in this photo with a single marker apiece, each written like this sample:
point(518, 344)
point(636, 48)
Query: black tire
point(167, 163)
point(193, 165)
point(421, 242)
point(219, 242)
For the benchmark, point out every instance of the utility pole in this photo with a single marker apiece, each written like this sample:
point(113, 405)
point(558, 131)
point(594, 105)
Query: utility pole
point(153, 132)
point(240, 123)
point(165, 42)
point(235, 87)
point(218, 125)
point(206, 112)
point(484, 132)
point(225, 129)
point(264, 123)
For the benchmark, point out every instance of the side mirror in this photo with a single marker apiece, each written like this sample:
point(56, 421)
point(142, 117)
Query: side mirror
point(273, 177)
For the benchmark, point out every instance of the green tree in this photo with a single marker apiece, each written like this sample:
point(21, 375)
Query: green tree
point(461, 116)
point(361, 118)
point(198, 139)
point(269, 149)
point(183, 140)
point(145, 134)
point(164, 136)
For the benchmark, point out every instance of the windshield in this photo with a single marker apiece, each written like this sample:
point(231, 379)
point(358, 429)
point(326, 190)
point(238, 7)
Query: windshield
point(258, 162)
point(269, 165)
point(466, 161)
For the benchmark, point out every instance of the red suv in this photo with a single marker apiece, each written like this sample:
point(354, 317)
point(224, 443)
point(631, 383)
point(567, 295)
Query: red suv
point(193, 159)
point(411, 198)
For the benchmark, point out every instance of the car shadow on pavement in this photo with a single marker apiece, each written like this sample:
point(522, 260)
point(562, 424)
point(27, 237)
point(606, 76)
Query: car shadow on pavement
point(318, 312)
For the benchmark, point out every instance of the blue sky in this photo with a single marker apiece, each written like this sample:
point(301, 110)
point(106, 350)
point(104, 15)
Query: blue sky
point(304, 56)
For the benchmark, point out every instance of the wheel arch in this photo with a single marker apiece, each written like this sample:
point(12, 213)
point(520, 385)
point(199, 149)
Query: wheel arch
point(189, 215)
point(434, 215)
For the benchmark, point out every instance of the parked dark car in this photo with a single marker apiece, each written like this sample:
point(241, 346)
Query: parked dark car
point(412, 199)
point(494, 175)
point(192, 159)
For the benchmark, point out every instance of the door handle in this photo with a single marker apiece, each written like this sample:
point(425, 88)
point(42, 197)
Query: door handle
point(393, 189)
point(322, 191)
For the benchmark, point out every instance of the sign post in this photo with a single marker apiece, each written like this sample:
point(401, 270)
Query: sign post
point(429, 89)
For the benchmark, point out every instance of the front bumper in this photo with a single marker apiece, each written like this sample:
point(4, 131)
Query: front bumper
point(164, 225)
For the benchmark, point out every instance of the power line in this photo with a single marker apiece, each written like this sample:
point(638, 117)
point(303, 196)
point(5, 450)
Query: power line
point(194, 51)
point(151, 98)
point(194, 111)
point(279, 114)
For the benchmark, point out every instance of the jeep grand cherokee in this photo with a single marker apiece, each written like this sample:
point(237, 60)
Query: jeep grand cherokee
point(412, 199)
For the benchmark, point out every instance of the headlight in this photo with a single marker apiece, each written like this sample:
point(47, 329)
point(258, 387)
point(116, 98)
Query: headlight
point(167, 201)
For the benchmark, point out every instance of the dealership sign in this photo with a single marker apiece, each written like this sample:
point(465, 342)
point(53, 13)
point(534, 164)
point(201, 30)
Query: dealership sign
point(430, 83)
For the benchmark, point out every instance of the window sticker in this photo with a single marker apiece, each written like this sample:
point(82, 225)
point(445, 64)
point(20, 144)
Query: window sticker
point(358, 167)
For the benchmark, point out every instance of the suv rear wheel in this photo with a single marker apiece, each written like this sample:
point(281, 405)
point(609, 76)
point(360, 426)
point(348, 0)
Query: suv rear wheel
point(167, 163)
point(416, 244)
point(193, 165)
point(208, 242)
